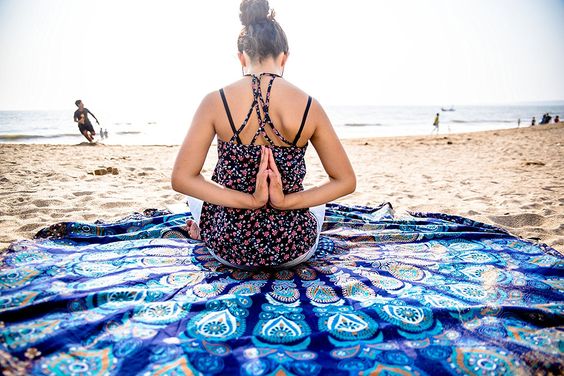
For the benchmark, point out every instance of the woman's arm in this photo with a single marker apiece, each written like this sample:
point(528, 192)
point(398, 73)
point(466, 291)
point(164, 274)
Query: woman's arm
point(186, 174)
point(342, 179)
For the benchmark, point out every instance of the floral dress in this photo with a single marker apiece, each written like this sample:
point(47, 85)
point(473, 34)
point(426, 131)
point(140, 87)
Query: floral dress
point(264, 237)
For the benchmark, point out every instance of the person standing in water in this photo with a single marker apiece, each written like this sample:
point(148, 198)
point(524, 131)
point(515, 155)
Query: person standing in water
point(436, 124)
point(84, 124)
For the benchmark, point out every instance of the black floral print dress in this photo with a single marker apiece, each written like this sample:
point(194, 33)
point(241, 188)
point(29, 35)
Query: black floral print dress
point(265, 237)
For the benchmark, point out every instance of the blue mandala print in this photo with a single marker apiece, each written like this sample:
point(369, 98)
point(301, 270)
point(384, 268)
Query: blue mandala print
point(346, 324)
point(223, 319)
point(281, 324)
point(421, 294)
point(406, 317)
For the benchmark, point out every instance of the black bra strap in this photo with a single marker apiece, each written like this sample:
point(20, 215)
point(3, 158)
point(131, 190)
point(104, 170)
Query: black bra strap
point(229, 115)
point(303, 122)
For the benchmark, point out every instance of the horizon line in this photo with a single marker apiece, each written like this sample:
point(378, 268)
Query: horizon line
point(548, 102)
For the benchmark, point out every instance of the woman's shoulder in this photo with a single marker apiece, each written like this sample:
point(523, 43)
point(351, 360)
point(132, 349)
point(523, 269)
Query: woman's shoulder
point(284, 94)
point(287, 85)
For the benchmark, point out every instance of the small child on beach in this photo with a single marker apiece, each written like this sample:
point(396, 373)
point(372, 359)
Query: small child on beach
point(255, 212)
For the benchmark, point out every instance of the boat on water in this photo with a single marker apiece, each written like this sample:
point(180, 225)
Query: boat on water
point(447, 109)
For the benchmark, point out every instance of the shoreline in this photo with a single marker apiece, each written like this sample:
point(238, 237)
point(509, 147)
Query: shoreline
point(510, 178)
point(349, 137)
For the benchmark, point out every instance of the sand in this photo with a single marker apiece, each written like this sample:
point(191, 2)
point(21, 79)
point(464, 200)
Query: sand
point(510, 178)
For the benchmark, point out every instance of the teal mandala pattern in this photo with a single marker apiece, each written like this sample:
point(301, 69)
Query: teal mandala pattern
point(345, 324)
point(281, 324)
point(223, 319)
point(424, 294)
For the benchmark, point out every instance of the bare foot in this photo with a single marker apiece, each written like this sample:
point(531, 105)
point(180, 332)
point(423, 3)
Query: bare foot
point(193, 229)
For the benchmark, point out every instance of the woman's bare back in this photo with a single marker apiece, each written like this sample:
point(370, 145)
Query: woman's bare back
point(287, 106)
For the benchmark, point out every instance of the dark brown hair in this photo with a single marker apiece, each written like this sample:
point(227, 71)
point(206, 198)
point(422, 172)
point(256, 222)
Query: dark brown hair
point(261, 36)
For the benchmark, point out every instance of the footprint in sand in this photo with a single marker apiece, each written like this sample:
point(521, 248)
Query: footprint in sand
point(548, 212)
point(115, 204)
point(534, 205)
point(534, 163)
point(29, 227)
point(518, 220)
point(45, 203)
point(475, 198)
point(82, 193)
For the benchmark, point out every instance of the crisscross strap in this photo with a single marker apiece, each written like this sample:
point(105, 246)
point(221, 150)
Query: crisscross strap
point(238, 131)
point(264, 103)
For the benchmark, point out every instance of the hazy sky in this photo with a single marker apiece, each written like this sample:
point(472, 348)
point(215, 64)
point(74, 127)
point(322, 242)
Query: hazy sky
point(158, 56)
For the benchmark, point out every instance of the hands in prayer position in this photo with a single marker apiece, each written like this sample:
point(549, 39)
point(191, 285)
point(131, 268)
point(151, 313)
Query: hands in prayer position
point(268, 186)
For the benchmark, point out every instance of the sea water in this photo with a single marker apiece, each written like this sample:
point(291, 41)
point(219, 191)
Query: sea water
point(58, 127)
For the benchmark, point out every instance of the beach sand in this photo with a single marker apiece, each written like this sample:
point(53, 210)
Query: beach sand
point(509, 178)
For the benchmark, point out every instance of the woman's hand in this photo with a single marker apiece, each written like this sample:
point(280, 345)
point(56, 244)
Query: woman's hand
point(260, 196)
point(275, 193)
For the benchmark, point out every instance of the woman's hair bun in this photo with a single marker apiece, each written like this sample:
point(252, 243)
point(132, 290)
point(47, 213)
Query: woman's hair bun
point(261, 35)
point(254, 11)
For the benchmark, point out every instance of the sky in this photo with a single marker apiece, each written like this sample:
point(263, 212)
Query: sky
point(164, 56)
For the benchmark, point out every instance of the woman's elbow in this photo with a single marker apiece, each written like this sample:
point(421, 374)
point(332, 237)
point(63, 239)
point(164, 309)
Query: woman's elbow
point(347, 184)
point(183, 182)
point(176, 182)
point(351, 184)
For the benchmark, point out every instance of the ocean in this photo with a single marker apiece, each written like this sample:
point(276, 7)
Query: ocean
point(58, 127)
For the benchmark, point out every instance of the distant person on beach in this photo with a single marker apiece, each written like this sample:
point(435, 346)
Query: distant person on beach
point(533, 121)
point(436, 124)
point(106, 133)
point(518, 122)
point(546, 119)
point(255, 212)
point(84, 124)
point(101, 133)
point(557, 119)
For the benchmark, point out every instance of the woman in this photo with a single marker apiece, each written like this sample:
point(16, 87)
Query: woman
point(255, 213)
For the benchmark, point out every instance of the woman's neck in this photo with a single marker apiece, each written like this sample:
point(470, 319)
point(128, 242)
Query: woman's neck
point(265, 67)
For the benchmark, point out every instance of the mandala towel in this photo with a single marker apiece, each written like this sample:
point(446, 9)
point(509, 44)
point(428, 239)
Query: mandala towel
point(420, 294)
